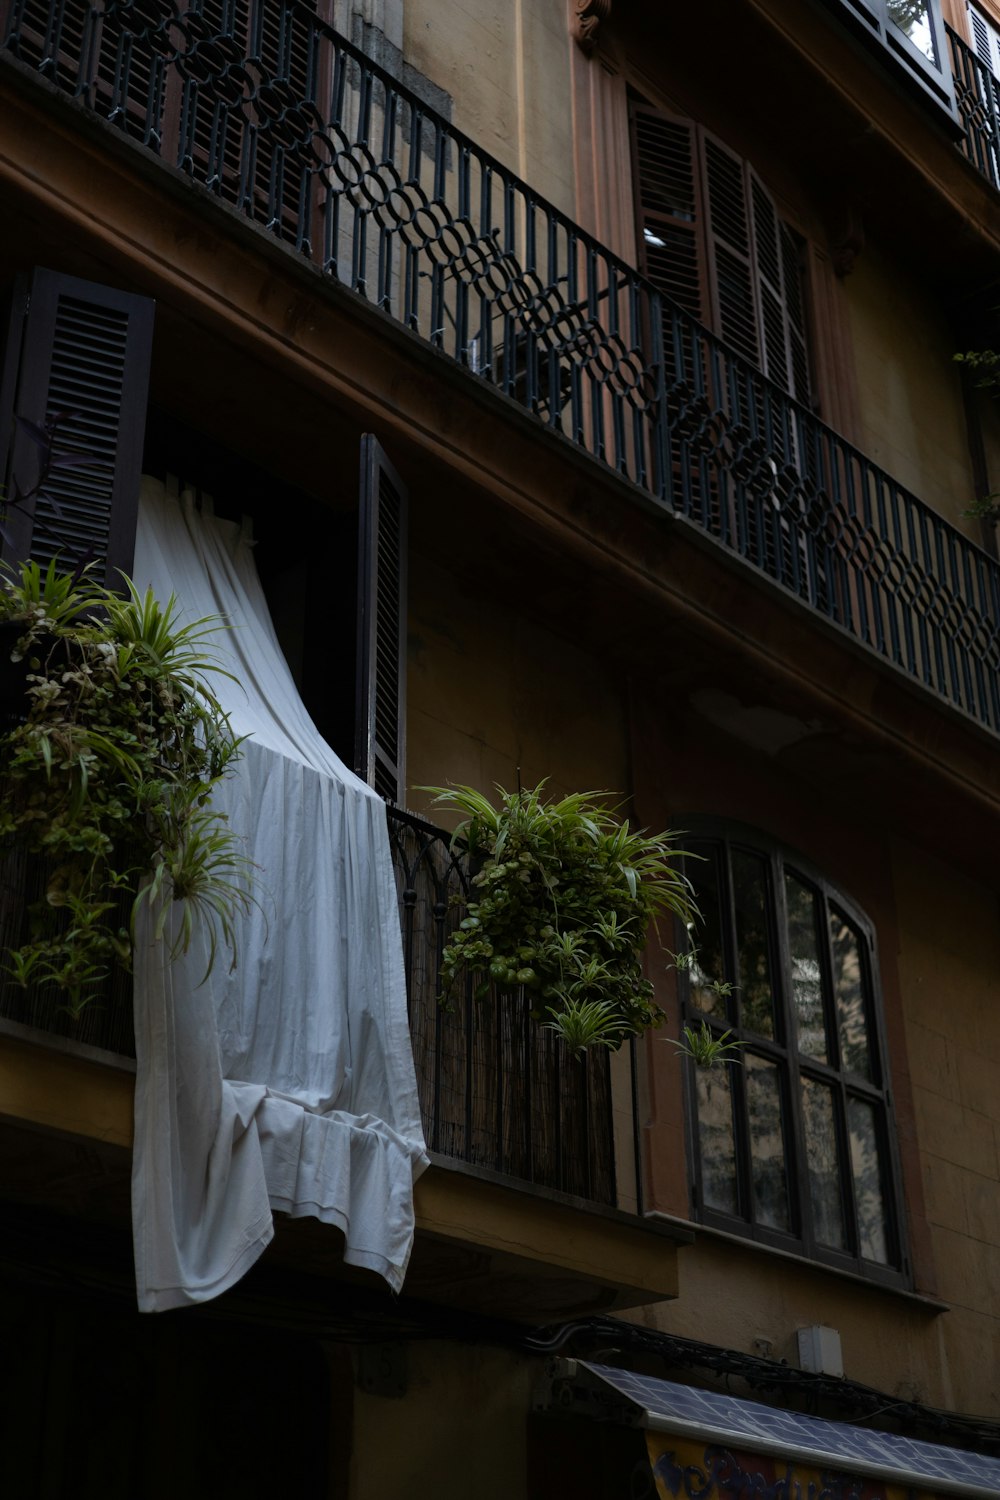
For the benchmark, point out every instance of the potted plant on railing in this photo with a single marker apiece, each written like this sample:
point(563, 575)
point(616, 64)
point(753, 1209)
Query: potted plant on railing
point(565, 895)
point(106, 775)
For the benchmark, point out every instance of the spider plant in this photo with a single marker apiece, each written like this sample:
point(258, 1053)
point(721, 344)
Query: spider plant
point(107, 777)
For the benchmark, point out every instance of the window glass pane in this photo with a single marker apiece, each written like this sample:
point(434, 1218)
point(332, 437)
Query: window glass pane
point(848, 984)
point(867, 1167)
point(807, 976)
point(716, 1141)
point(749, 896)
point(823, 1162)
point(767, 1143)
point(913, 18)
point(709, 965)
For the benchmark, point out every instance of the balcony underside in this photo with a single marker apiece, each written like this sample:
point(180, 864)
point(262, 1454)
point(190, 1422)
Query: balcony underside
point(481, 1245)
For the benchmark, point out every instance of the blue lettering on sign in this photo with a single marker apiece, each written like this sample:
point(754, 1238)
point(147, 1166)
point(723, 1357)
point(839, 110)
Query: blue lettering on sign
point(722, 1474)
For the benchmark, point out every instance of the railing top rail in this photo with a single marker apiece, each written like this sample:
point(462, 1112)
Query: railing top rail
point(460, 139)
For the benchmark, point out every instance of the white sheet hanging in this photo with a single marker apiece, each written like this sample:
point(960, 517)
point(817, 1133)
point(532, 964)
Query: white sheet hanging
point(289, 1082)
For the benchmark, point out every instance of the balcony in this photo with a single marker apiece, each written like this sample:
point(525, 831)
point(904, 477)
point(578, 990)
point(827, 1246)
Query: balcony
point(387, 199)
point(977, 94)
point(499, 1096)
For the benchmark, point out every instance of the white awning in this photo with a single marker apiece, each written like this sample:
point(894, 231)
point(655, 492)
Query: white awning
point(711, 1418)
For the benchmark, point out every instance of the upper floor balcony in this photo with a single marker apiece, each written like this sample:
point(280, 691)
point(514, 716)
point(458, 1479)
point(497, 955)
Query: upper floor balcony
point(275, 115)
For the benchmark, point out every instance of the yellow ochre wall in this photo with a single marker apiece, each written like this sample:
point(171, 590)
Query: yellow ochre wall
point(912, 415)
point(490, 691)
point(507, 70)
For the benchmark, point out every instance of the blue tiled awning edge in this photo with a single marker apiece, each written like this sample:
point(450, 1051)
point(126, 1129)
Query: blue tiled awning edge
point(749, 1425)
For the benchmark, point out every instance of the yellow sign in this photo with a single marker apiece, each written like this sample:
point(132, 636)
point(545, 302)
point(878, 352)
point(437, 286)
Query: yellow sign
point(687, 1470)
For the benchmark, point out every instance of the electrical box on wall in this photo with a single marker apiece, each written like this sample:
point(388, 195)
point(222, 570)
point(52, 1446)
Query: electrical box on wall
point(820, 1351)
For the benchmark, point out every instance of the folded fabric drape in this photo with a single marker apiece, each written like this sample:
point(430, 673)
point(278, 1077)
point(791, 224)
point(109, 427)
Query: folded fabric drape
point(288, 1082)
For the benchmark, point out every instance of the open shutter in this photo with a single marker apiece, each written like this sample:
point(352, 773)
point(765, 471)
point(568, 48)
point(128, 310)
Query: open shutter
point(985, 39)
point(732, 274)
point(670, 206)
point(82, 350)
point(380, 720)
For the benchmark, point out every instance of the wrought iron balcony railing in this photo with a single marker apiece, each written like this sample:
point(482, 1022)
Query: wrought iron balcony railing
point(278, 116)
point(977, 94)
point(496, 1091)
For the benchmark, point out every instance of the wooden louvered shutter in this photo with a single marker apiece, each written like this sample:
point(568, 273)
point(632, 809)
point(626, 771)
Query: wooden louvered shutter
point(670, 206)
point(985, 39)
point(380, 720)
point(731, 270)
point(77, 348)
point(778, 280)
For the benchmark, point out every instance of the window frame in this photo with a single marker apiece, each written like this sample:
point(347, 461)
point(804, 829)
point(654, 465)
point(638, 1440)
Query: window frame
point(793, 1065)
point(870, 20)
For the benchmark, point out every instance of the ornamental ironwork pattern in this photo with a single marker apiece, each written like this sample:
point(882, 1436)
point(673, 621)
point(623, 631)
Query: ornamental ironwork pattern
point(496, 1090)
point(977, 94)
point(280, 118)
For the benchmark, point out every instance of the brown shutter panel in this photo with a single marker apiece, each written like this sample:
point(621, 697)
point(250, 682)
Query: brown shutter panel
point(795, 314)
point(766, 242)
point(380, 721)
point(730, 251)
point(77, 348)
point(778, 274)
point(671, 227)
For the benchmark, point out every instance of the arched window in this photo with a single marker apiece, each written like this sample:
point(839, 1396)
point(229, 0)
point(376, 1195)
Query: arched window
point(793, 1143)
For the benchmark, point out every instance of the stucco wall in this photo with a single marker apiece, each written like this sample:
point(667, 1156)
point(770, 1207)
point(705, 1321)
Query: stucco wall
point(461, 1429)
point(949, 966)
point(912, 416)
point(506, 68)
point(490, 693)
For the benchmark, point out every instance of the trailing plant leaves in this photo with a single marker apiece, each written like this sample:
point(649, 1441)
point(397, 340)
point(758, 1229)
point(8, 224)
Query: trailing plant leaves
point(563, 902)
point(111, 773)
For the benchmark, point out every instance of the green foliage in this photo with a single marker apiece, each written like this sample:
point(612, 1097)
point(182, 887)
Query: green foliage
point(565, 896)
point(109, 775)
point(706, 1049)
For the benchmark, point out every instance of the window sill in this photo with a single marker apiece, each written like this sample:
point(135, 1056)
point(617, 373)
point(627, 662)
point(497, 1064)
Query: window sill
point(920, 1300)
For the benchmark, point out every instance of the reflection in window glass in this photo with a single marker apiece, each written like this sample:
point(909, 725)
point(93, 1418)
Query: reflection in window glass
point(793, 1139)
point(767, 1144)
point(709, 965)
point(807, 980)
point(848, 981)
point(866, 1166)
point(749, 895)
point(823, 1161)
point(912, 17)
point(716, 1139)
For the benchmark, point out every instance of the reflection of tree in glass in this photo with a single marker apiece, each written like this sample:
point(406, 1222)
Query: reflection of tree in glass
point(767, 1144)
point(907, 13)
point(716, 1142)
point(803, 947)
point(848, 983)
point(708, 965)
point(750, 890)
point(912, 18)
point(867, 1167)
point(823, 1161)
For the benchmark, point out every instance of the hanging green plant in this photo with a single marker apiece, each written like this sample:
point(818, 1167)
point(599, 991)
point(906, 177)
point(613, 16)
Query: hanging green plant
point(107, 772)
point(565, 896)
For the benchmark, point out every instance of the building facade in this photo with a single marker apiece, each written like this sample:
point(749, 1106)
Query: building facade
point(617, 341)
